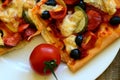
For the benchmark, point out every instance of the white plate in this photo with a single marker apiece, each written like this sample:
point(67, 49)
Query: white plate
point(15, 65)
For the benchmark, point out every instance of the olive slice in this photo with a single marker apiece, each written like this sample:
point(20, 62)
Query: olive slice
point(75, 54)
point(45, 14)
point(1, 40)
point(78, 40)
point(115, 20)
point(51, 2)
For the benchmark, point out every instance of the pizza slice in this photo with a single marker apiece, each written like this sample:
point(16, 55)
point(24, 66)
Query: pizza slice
point(15, 27)
point(82, 33)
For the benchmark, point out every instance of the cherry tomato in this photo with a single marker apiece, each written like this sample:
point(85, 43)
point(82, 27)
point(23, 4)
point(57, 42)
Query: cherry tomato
point(94, 19)
point(89, 40)
point(58, 14)
point(71, 2)
point(45, 58)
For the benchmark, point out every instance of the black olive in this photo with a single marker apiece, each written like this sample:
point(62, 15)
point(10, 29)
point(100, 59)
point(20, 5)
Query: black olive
point(3, 1)
point(51, 2)
point(1, 32)
point(79, 39)
point(45, 15)
point(37, 0)
point(82, 4)
point(75, 54)
point(115, 20)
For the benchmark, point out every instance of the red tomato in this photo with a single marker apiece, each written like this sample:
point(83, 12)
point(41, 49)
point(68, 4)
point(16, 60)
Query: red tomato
point(71, 2)
point(89, 40)
point(43, 54)
point(94, 19)
point(58, 14)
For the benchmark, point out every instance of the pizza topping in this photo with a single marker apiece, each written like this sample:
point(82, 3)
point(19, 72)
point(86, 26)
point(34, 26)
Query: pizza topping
point(28, 4)
point(11, 15)
point(51, 2)
point(74, 22)
point(83, 20)
point(1, 33)
point(89, 40)
point(115, 20)
point(12, 40)
point(67, 27)
point(28, 32)
point(82, 4)
point(79, 39)
point(45, 14)
point(5, 2)
point(22, 27)
point(57, 11)
point(94, 19)
point(71, 2)
point(75, 54)
point(26, 17)
point(108, 6)
point(104, 30)
point(70, 43)
point(58, 14)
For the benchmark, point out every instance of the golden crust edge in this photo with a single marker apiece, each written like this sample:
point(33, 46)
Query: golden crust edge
point(4, 50)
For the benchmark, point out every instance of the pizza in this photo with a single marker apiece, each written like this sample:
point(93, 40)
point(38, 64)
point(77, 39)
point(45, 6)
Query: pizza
point(81, 29)
point(16, 28)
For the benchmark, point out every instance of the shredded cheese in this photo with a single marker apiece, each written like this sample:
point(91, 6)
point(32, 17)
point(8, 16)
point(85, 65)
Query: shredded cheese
point(108, 6)
point(70, 43)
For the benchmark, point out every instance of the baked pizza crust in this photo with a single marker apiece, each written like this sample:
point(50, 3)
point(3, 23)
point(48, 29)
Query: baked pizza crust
point(102, 43)
point(4, 50)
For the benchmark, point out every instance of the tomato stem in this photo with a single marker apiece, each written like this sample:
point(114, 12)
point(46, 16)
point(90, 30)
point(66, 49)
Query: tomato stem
point(50, 65)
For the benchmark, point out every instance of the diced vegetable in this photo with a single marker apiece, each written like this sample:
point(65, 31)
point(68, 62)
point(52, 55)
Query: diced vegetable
point(82, 24)
point(26, 17)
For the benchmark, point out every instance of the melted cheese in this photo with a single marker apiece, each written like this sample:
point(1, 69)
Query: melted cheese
point(108, 6)
point(11, 13)
point(70, 23)
point(70, 43)
point(67, 26)
point(49, 8)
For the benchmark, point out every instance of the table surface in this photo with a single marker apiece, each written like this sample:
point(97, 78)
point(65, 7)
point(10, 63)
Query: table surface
point(113, 71)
